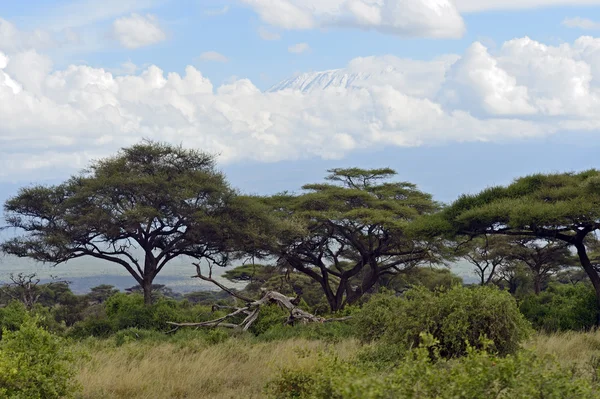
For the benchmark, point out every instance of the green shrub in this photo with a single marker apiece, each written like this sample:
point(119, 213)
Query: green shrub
point(418, 376)
point(270, 316)
point(562, 307)
point(329, 332)
point(34, 364)
point(15, 313)
point(457, 317)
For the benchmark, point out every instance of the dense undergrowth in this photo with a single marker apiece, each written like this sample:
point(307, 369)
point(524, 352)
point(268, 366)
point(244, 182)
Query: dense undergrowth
point(457, 342)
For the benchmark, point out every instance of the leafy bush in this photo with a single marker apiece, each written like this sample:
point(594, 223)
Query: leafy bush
point(35, 364)
point(419, 376)
point(457, 317)
point(15, 313)
point(127, 311)
point(329, 332)
point(562, 307)
point(270, 316)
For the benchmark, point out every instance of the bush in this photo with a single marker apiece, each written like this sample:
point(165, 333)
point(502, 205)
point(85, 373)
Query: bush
point(562, 307)
point(270, 316)
point(127, 311)
point(418, 376)
point(457, 318)
point(329, 332)
point(35, 364)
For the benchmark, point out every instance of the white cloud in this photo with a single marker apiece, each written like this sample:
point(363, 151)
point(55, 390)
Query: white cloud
point(137, 31)
point(12, 39)
point(299, 48)
point(487, 5)
point(409, 18)
point(266, 34)
point(581, 23)
point(213, 56)
point(53, 122)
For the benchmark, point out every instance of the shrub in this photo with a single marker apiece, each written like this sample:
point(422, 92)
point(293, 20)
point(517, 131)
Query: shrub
point(418, 376)
point(34, 364)
point(562, 307)
point(457, 317)
point(15, 313)
point(329, 332)
point(270, 316)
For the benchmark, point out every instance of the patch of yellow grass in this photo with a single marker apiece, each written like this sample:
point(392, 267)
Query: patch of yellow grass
point(233, 369)
point(571, 348)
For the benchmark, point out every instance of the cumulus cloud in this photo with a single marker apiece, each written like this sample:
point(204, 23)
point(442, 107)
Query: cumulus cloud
point(13, 39)
point(137, 31)
point(488, 5)
point(299, 48)
point(410, 18)
point(581, 23)
point(213, 56)
point(55, 121)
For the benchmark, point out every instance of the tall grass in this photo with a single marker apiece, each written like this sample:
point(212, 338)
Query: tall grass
point(236, 368)
point(240, 367)
point(572, 349)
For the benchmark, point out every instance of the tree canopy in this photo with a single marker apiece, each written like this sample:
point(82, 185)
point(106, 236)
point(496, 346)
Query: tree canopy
point(140, 209)
point(352, 231)
point(562, 207)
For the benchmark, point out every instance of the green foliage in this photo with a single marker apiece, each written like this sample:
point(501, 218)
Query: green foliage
point(168, 200)
point(562, 307)
point(128, 311)
point(328, 332)
point(15, 314)
point(457, 318)
point(429, 277)
point(418, 376)
point(35, 364)
point(336, 218)
point(270, 316)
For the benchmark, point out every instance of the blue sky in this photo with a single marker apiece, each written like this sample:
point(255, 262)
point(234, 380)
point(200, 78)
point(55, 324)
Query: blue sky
point(196, 26)
point(454, 95)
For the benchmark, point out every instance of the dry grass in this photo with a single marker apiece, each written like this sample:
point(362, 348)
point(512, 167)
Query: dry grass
point(233, 369)
point(240, 368)
point(571, 349)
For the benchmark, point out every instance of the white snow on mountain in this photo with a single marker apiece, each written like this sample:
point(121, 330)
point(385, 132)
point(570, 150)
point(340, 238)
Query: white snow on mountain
point(413, 77)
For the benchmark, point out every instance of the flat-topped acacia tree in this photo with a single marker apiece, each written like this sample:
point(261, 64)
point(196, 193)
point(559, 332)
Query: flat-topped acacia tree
point(140, 209)
point(352, 231)
point(560, 207)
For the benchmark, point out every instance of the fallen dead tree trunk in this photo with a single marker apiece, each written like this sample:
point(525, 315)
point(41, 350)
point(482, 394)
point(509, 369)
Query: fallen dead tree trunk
point(252, 310)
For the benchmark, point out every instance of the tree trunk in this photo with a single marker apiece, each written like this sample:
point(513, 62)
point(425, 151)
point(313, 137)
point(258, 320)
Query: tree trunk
point(592, 274)
point(537, 284)
point(147, 287)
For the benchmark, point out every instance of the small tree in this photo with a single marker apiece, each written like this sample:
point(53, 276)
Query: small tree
point(140, 209)
point(542, 258)
point(352, 231)
point(487, 254)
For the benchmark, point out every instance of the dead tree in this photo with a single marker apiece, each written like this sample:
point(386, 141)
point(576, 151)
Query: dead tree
point(253, 307)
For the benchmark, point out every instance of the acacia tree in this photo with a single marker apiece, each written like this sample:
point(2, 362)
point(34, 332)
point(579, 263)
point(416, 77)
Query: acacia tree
point(140, 209)
point(561, 207)
point(543, 258)
point(488, 254)
point(352, 231)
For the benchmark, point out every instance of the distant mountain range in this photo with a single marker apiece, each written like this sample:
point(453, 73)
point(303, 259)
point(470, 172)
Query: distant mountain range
point(412, 77)
point(313, 81)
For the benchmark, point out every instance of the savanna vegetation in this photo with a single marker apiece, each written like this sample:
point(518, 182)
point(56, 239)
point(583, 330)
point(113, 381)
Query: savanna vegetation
point(345, 289)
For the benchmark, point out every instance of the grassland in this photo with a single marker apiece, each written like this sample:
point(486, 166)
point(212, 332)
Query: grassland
point(241, 367)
